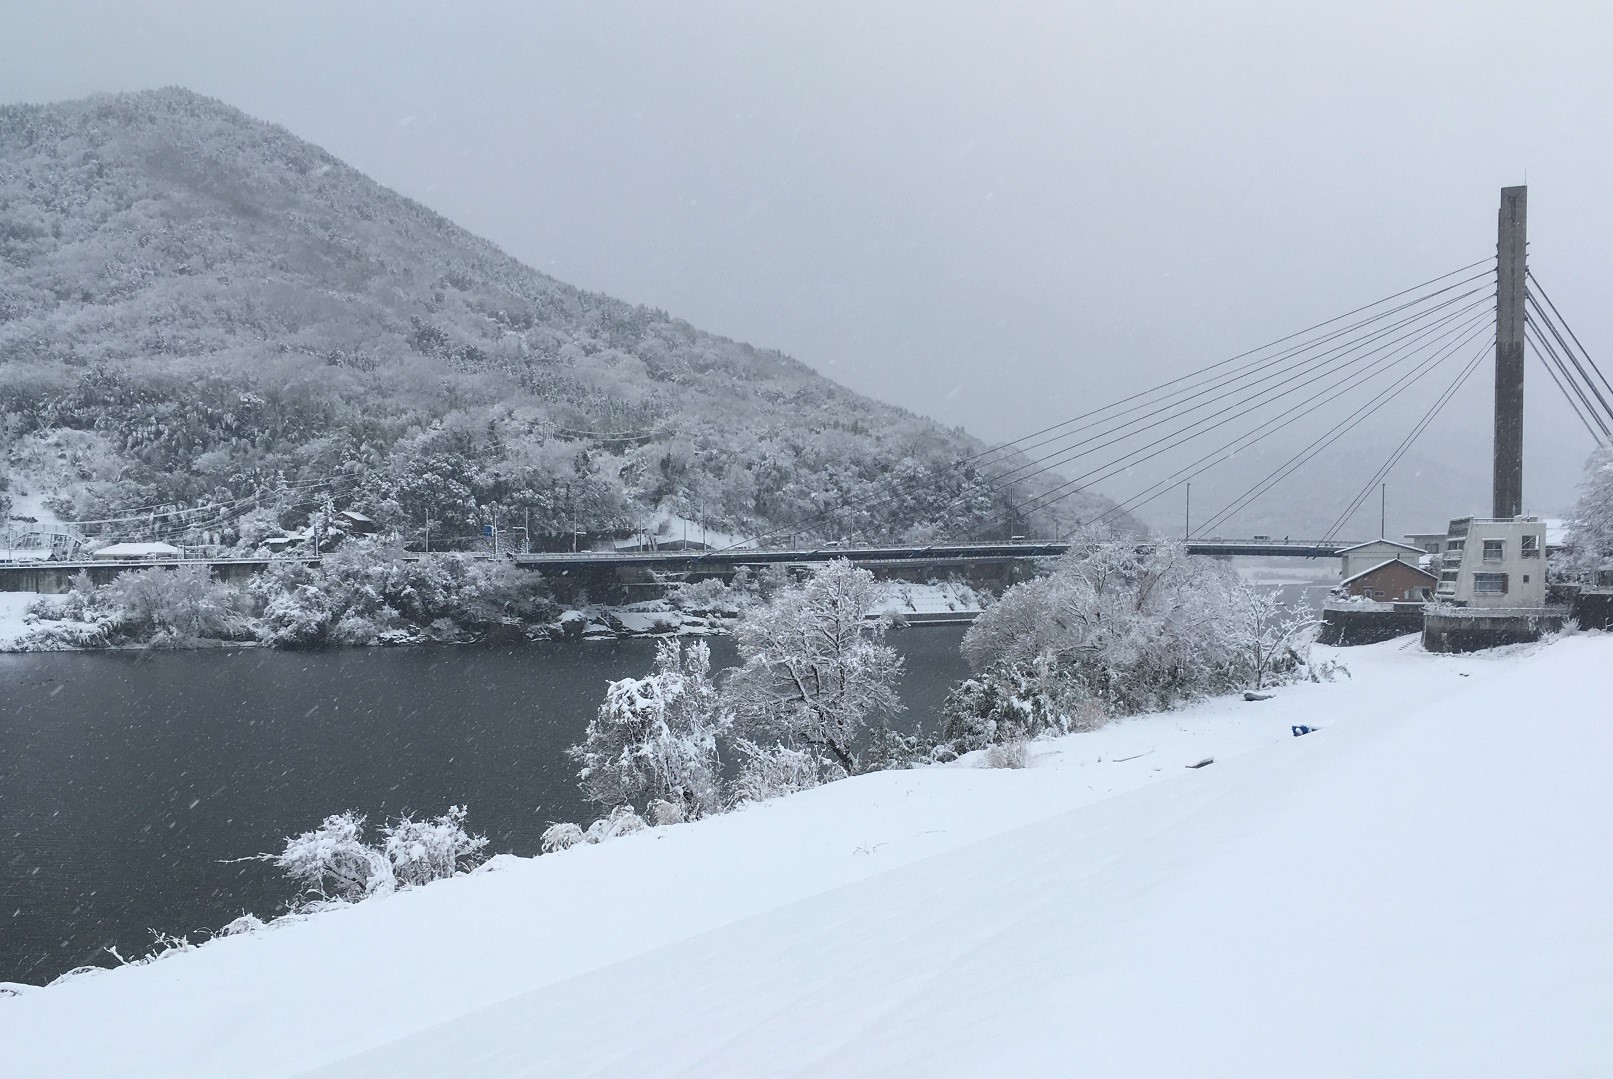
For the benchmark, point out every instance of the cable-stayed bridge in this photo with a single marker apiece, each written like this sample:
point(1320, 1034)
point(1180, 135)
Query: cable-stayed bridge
point(1400, 360)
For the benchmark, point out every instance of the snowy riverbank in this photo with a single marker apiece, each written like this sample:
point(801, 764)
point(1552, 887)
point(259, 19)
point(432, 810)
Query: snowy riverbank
point(936, 601)
point(1418, 885)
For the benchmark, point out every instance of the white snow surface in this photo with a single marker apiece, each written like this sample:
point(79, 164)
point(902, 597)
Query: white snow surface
point(1420, 887)
point(13, 609)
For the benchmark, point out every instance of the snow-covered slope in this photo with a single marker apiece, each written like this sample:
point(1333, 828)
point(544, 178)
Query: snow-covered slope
point(1421, 887)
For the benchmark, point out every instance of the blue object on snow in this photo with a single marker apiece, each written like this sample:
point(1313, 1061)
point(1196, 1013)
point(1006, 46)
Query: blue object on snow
point(1299, 729)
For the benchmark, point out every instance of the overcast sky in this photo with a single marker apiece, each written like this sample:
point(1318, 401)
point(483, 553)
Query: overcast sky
point(996, 214)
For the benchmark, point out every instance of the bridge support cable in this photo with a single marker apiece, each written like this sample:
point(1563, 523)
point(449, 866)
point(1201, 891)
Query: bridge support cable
point(1332, 435)
point(1220, 455)
point(1540, 290)
point(1551, 368)
point(1543, 332)
point(1195, 391)
point(1486, 261)
point(1595, 420)
point(1440, 331)
point(1406, 443)
point(1336, 358)
point(1537, 318)
point(1144, 396)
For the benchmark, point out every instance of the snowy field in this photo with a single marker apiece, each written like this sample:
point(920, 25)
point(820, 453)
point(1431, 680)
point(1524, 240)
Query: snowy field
point(1420, 887)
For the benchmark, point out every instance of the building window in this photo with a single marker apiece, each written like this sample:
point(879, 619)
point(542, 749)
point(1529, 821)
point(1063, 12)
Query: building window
point(1449, 575)
point(1495, 550)
point(1531, 546)
point(1455, 544)
point(1489, 584)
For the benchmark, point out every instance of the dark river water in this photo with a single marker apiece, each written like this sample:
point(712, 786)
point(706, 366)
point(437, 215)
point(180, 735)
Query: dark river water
point(127, 780)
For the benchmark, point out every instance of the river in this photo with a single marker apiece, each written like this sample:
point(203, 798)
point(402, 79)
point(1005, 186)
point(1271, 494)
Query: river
point(129, 780)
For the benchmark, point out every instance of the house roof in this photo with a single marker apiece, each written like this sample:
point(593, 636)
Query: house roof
point(1390, 562)
point(138, 550)
point(1384, 542)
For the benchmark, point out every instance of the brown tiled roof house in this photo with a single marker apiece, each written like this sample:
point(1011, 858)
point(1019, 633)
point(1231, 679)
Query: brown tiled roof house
point(1391, 582)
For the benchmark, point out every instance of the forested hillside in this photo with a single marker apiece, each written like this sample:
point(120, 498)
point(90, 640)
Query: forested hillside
point(198, 307)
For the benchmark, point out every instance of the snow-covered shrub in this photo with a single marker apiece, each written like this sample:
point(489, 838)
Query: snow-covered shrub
point(246, 923)
point(1009, 702)
point(562, 836)
point(888, 748)
point(655, 738)
point(709, 595)
point(618, 822)
point(663, 812)
point(1013, 754)
point(333, 861)
point(771, 771)
point(815, 667)
point(176, 606)
point(364, 590)
point(1119, 627)
point(428, 850)
point(295, 609)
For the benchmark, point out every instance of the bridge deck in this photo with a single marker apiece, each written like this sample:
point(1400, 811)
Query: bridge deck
point(682, 561)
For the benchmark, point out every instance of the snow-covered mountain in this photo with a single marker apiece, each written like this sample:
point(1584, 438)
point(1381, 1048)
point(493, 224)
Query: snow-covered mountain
point(195, 305)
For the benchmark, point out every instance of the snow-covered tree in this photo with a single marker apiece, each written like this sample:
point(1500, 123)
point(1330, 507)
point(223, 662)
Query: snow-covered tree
point(816, 669)
point(1116, 627)
point(1591, 521)
point(427, 850)
point(773, 771)
point(655, 738)
point(177, 606)
point(333, 861)
point(1271, 632)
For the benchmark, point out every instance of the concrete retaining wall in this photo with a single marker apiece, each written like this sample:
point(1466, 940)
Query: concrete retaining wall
point(1345, 627)
point(1468, 629)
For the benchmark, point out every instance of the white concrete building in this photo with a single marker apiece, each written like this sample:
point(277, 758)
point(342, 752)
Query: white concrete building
point(1364, 556)
point(1491, 563)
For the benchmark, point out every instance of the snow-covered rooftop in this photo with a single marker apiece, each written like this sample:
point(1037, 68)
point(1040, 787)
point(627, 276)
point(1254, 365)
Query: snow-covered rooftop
point(138, 551)
point(1390, 562)
point(1382, 543)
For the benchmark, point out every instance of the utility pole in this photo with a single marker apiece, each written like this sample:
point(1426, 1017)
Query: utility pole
point(1187, 515)
point(1383, 511)
point(1512, 247)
